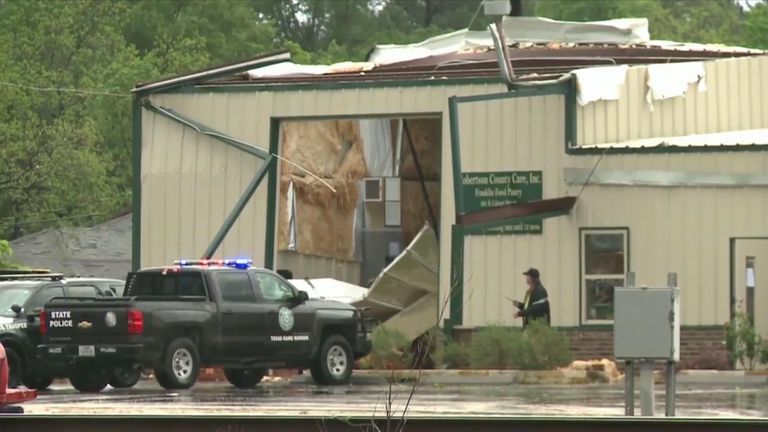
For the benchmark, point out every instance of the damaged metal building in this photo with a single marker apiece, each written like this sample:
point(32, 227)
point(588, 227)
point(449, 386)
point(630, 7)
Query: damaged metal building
point(609, 153)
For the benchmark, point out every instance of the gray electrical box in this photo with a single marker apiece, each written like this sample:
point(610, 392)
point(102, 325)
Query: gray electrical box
point(497, 7)
point(646, 324)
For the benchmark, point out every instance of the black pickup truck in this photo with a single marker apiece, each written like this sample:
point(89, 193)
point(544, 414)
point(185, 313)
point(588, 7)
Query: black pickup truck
point(195, 314)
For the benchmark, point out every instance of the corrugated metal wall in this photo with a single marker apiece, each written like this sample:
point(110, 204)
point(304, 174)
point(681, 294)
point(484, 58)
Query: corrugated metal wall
point(169, 232)
point(736, 98)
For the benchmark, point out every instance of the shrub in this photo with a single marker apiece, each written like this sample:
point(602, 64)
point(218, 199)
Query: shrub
point(494, 347)
point(390, 349)
point(745, 345)
point(543, 348)
point(539, 347)
point(456, 355)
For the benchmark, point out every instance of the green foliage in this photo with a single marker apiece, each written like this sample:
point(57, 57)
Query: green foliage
point(756, 27)
point(391, 349)
point(6, 255)
point(496, 347)
point(456, 355)
point(539, 347)
point(744, 343)
point(543, 348)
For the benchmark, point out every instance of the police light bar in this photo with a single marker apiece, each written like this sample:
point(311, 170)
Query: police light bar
point(239, 263)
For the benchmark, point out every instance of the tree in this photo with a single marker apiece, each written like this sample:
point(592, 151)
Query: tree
point(756, 27)
point(6, 255)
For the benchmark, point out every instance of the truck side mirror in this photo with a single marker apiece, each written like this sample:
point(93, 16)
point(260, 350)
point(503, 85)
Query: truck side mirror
point(302, 297)
point(16, 309)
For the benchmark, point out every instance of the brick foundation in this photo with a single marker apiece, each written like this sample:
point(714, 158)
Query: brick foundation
point(701, 347)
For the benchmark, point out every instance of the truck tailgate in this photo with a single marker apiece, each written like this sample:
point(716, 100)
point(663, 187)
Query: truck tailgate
point(86, 320)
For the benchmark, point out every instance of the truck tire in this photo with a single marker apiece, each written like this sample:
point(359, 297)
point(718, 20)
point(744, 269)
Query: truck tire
point(37, 382)
point(244, 378)
point(89, 380)
point(124, 377)
point(334, 362)
point(180, 365)
point(15, 367)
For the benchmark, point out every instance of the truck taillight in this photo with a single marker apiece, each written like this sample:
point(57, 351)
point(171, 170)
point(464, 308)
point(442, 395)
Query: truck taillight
point(135, 322)
point(43, 326)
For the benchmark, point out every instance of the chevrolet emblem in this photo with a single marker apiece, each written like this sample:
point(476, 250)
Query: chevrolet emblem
point(84, 325)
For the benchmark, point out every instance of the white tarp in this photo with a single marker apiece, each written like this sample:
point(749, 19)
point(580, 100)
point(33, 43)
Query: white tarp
point(600, 83)
point(331, 289)
point(669, 80)
point(377, 146)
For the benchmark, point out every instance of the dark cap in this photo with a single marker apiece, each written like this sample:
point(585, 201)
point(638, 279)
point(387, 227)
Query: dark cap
point(532, 272)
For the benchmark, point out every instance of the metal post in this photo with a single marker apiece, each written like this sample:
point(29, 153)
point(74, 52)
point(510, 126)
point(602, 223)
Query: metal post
point(671, 384)
point(669, 403)
point(629, 388)
point(647, 408)
point(630, 279)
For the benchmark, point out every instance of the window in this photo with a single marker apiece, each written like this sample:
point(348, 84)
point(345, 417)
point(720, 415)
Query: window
point(273, 289)
point(47, 294)
point(235, 287)
point(170, 284)
point(82, 291)
point(604, 266)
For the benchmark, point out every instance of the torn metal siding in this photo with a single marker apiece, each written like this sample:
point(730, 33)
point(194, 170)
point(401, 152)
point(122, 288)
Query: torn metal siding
point(736, 98)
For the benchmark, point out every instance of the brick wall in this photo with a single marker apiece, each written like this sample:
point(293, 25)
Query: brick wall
point(701, 348)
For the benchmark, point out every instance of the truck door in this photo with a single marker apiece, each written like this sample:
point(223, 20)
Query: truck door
point(289, 323)
point(242, 317)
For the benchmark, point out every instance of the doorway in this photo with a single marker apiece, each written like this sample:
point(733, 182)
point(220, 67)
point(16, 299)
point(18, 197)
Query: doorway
point(749, 285)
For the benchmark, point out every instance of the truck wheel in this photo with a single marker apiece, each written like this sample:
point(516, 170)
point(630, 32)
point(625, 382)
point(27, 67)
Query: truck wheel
point(334, 362)
point(37, 382)
point(15, 368)
point(180, 365)
point(124, 377)
point(244, 378)
point(92, 380)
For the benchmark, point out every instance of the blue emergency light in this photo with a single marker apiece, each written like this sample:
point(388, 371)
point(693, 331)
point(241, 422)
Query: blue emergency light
point(238, 263)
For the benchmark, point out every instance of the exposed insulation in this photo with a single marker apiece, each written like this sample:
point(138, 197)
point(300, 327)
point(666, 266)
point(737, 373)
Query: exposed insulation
point(427, 140)
point(414, 209)
point(332, 150)
point(328, 149)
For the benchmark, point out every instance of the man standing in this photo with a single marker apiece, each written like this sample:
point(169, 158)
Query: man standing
point(536, 303)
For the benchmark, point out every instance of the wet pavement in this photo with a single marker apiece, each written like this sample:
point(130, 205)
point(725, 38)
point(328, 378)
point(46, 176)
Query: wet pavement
point(287, 399)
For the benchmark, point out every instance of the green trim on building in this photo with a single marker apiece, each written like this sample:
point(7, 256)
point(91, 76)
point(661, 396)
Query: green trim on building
point(453, 123)
point(234, 214)
point(336, 85)
point(456, 290)
point(136, 186)
point(270, 236)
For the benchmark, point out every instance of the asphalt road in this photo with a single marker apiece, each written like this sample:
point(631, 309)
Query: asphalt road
point(289, 399)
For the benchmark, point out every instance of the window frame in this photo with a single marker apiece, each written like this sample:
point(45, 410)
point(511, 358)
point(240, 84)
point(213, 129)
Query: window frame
point(255, 293)
point(260, 294)
point(584, 277)
point(97, 292)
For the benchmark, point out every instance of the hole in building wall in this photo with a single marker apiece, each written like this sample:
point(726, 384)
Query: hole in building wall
point(383, 194)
